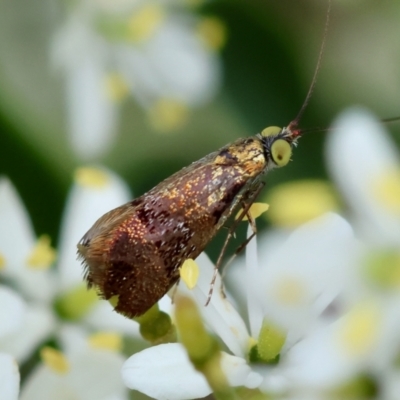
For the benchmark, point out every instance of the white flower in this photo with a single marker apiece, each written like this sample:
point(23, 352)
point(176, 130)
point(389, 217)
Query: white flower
point(84, 371)
point(366, 167)
point(150, 50)
point(9, 378)
point(179, 380)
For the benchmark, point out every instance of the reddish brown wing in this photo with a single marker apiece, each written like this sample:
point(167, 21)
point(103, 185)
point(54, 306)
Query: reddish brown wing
point(135, 251)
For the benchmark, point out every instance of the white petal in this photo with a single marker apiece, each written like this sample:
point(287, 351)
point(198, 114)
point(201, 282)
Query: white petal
point(96, 375)
point(73, 339)
point(359, 153)
point(38, 324)
point(17, 241)
point(9, 378)
point(164, 372)
point(92, 116)
point(173, 64)
point(83, 56)
point(37, 284)
point(84, 206)
point(238, 372)
point(16, 233)
point(12, 312)
point(235, 275)
point(254, 308)
point(219, 315)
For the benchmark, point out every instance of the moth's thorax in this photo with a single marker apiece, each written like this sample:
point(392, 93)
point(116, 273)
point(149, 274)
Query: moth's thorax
point(245, 154)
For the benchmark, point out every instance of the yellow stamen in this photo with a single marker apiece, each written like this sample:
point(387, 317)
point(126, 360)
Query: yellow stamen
point(387, 190)
point(91, 177)
point(255, 210)
point(2, 262)
point(106, 341)
point(213, 32)
point(55, 360)
point(189, 273)
point(42, 255)
point(116, 87)
point(289, 291)
point(293, 204)
point(145, 22)
point(168, 115)
point(359, 329)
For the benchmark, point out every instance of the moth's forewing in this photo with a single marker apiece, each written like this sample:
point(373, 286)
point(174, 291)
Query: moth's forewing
point(135, 251)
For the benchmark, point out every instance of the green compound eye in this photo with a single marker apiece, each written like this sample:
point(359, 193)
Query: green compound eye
point(281, 152)
point(271, 131)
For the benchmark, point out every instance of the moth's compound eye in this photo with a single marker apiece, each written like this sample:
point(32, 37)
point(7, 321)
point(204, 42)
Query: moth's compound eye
point(281, 151)
point(271, 131)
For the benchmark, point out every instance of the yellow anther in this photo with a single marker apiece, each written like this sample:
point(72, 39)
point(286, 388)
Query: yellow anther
point(144, 23)
point(91, 177)
point(213, 32)
point(167, 115)
point(42, 255)
point(189, 273)
point(2, 262)
point(106, 341)
point(55, 360)
point(359, 329)
point(386, 190)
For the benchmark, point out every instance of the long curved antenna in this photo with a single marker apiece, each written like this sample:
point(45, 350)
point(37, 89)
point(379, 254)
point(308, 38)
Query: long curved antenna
point(388, 120)
point(296, 121)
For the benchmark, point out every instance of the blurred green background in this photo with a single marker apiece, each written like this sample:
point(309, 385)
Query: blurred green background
point(268, 63)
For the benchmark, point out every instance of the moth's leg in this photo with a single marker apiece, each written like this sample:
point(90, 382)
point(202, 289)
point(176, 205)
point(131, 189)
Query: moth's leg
point(231, 232)
point(242, 246)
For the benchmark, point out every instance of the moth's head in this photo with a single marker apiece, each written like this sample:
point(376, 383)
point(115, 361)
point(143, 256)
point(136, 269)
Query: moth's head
point(278, 144)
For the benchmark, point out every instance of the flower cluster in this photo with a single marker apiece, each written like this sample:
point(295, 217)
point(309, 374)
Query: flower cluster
point(48, 310)
point(313, 312)
point(159, 52)
point(322, 303)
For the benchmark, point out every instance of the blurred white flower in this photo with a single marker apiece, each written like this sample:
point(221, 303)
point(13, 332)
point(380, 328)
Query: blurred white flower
point(366, 168)
point(44, 298)
point(178, 379)
point(9, 378)
point(159, 52)
point(84, 371)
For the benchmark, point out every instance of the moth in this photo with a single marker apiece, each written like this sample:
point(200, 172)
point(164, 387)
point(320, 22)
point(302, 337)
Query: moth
point(133, 253)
